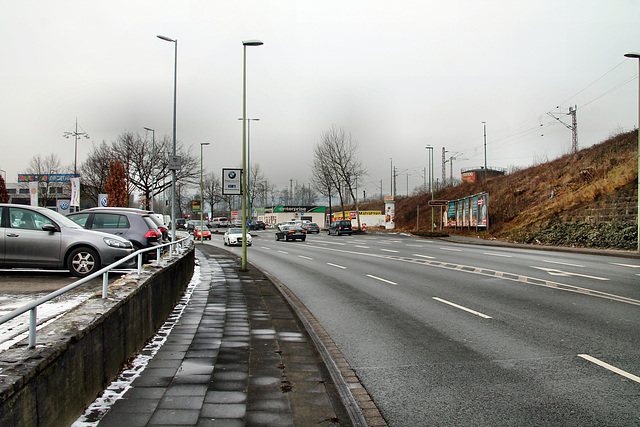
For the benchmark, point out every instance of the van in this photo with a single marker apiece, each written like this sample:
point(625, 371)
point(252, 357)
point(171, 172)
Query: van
point(219, 222)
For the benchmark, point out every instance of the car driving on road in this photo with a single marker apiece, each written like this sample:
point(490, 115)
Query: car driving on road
point(291, 232)
point(233, 236)
point(340, 227)
point(33, 237)
point(200, 232)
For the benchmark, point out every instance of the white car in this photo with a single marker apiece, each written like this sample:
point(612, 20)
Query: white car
point(233, 236)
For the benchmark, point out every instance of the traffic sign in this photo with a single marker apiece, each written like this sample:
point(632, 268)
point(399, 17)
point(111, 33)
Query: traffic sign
point(438, 202)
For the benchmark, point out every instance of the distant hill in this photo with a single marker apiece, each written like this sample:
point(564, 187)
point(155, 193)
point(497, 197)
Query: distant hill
point(586, 199)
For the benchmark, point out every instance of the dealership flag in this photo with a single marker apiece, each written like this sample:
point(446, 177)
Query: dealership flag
point(75, 192)
point(33, 192)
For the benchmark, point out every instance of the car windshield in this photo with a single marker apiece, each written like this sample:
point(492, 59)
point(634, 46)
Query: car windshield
point(199, 228)
point(235, 231)
point(62, 220)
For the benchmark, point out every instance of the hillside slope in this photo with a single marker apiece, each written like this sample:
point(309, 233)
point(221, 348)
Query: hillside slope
point(587, 199)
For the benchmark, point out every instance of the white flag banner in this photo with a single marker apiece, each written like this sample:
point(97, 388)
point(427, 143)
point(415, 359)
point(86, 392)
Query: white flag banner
point(33, 192)
point(75, 192)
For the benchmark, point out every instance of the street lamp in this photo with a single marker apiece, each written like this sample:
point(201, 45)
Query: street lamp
point(153, 152)
point(172, 167)
point(249, 162)
point(245, 43)
point(637, 56)
point(75, 134)
point(202, 144)
point(430, 148)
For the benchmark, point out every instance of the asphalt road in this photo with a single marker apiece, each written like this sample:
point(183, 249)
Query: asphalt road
point(450, 334)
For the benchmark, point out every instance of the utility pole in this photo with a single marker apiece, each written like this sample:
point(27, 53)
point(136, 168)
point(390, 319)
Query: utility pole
point(444, 168)
point(485, 149)
point(573, 127)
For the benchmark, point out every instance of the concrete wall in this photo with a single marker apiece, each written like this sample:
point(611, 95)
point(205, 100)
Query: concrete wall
point(77, 356)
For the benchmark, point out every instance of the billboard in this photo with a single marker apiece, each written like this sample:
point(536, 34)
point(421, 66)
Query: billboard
point(468, 212)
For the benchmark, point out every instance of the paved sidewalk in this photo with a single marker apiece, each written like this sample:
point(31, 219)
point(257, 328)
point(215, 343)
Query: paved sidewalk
point(237, 356)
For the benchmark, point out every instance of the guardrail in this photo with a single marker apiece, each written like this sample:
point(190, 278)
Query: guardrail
point(32, 307)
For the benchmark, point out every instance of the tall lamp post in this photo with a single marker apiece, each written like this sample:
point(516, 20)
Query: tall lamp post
point(245, 43)
point(430, 148)
point(153, 152)
point(249, 162)
point(173, 168)
point(202, 144)
point(75, 134)
point(637, 56)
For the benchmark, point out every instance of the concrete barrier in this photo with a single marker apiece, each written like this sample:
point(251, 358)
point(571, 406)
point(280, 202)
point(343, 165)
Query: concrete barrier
point(78, 355)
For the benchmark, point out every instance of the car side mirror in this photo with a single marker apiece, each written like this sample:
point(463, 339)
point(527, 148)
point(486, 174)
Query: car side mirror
point(50, 228)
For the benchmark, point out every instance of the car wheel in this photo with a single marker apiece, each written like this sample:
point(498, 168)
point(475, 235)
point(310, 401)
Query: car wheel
point(303, 239)
point(277, 238)
point(83, 261)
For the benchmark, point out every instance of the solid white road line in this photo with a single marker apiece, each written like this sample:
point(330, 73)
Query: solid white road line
point(361, 247)
point(282, 252)
point(452, 250)
point(390, 250)
point(381, 279)
point(336, 265)
point(610, 367)
point(484, 316)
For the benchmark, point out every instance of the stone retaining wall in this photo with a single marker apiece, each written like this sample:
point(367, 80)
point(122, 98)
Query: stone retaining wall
point(78, 355)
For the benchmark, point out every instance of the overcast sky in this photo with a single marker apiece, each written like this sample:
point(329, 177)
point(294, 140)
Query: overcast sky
point(397, 75)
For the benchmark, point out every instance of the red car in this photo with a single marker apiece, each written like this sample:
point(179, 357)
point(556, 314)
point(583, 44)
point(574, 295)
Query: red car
point(201, 231)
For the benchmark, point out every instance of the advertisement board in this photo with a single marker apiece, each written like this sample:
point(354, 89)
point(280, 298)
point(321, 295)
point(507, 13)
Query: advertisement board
point(468, 212)
point(232, 181)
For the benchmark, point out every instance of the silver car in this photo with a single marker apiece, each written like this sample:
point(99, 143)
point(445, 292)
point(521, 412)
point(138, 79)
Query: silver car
point(34, 237)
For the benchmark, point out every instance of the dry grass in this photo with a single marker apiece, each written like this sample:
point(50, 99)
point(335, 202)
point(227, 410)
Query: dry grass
point(522, 201)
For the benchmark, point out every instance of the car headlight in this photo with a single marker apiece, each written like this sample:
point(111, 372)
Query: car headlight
point(117, 243)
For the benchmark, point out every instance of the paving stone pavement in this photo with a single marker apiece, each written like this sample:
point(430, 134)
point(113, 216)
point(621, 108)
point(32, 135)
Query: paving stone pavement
point(237, 356)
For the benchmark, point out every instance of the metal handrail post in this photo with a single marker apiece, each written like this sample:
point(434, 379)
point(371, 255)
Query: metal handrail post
point(105, 284)
point(158, 256)
point(32, 326)
point(139, 263)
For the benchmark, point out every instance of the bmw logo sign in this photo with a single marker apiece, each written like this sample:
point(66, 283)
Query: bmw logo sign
point(232, 175)
point(64, 205)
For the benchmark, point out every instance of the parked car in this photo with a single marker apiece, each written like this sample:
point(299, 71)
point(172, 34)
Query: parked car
point(201, 231)
point(220, 222)
point(156, 218)
point(136, 227)
point(340, 227)
point(258, 225)
point(291, 232)
point(311, 227)
point(33, 237)
point(233, 236)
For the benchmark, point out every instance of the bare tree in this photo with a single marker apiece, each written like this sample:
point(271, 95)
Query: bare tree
point(4, 195)
point(212, 190)
point(146, 163)
point(42, 166)
point(336, 157)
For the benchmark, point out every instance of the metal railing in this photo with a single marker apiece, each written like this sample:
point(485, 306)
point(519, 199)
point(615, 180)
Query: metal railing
point(32, 307)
